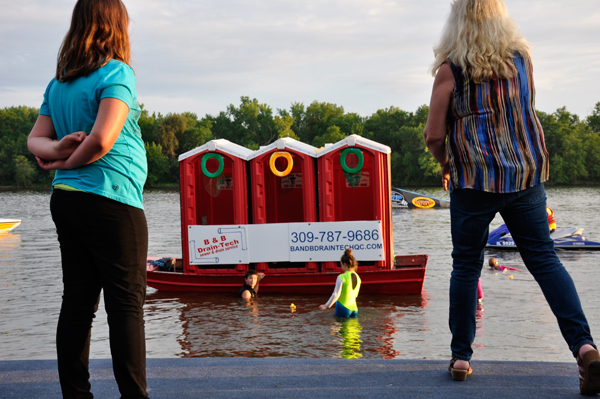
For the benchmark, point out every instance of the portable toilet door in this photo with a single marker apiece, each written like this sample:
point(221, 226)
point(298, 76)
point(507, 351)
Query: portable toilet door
point(284, 191)
point(355, 184)
point(213, 180)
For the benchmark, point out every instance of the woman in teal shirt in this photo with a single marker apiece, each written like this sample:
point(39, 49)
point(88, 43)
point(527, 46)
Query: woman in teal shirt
point(87, 131)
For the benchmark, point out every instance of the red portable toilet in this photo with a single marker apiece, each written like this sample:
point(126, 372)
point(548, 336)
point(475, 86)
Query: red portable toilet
point(284, 190)
point(355, 184)
point(213, 180)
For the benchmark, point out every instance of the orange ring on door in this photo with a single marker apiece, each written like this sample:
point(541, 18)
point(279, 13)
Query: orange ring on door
point(290, 163)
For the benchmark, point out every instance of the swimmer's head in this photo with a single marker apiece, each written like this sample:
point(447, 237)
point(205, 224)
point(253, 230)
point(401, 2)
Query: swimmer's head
point(349, 260)
point(251, 278)
point(493, 263)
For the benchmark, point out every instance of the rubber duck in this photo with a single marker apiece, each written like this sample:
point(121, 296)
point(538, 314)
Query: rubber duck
point(293, 307)
point(510, 277)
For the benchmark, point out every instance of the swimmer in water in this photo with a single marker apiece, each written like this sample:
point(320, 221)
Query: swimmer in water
point(250, 288)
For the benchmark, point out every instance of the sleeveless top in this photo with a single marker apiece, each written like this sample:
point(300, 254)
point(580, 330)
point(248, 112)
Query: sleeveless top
point(495, 139)
point(246, 287)
point(349, 294)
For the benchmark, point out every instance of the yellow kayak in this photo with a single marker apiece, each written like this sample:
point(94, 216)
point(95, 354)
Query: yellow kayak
point(7, 225)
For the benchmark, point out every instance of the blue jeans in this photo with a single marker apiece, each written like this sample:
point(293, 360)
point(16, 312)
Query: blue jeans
point(524, 213)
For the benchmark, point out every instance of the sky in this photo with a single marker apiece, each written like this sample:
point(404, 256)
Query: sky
point(364, 55)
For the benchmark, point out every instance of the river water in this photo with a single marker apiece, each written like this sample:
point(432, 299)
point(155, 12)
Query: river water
point(513, 323)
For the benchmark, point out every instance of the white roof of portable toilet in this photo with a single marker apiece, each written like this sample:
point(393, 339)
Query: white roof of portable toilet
point(223, 145)
point(287, 142)
point(352, 141)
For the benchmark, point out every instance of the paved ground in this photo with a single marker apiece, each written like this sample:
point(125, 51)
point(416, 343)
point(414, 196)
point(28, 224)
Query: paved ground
point(305, 378)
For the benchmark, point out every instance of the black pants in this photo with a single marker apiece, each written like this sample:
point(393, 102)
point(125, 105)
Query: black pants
point(103, 245)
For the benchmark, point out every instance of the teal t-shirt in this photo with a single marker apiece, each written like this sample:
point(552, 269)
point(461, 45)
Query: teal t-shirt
point(73, 106)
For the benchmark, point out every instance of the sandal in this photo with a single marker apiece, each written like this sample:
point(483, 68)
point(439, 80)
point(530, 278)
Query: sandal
point(589, 372)
point(458, 374)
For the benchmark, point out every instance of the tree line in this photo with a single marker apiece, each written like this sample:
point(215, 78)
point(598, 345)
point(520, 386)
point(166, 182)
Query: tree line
point(573, 142)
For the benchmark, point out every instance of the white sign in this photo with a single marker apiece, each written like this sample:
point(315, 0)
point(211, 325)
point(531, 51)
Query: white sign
point(218, 244)
point(284, 242)
point(328, 241)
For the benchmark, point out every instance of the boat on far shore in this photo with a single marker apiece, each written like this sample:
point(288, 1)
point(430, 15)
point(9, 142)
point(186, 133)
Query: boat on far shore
point(408, 199)
point(7, 225)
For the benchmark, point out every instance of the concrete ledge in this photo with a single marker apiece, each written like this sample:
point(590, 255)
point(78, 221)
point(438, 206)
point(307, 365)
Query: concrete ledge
point(305, 378)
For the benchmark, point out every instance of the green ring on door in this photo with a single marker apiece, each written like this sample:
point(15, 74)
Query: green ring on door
point(358, 153)
point(208, 156)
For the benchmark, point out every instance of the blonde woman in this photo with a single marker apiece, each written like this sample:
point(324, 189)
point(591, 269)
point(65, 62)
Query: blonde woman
point(484, 132)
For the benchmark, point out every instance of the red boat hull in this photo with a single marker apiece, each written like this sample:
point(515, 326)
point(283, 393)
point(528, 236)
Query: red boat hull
point(405, 278)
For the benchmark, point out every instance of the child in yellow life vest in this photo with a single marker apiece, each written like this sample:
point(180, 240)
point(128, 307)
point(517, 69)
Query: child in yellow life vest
point(346, 289)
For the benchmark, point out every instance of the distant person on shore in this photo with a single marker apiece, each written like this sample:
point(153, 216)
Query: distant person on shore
point(87, 131)
point(483, 130)
point(347, 286)
point(493, 262)
point(250, 287)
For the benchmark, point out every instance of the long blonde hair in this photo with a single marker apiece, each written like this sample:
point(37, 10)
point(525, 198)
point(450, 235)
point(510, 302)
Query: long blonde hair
point(482, 39)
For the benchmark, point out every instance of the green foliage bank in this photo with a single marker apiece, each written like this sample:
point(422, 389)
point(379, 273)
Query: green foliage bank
point(573, 143)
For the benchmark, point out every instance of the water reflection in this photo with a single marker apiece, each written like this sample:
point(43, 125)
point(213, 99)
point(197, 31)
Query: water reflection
point(9, 242)
point(479, 327)
point(222, 325)
point(349, 331)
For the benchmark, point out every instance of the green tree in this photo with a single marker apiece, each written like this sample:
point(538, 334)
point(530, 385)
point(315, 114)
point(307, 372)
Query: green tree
point(195, 136)
point(158, 164)
point(147, 124)
point(15, 125)
point(168, 131)
point(251, 124)
point(332, 135)
point(283, 124)
point(24, 171)
point(411, 148)
point(592, 158)
point(593, 121)
point(565, 136)
point(318, 118)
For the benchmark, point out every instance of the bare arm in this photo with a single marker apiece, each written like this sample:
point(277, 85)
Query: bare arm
point(43, 144)
point(260, 277)
point(246, 295)
point(435, 130)
point(335, 296)
point(109, 123)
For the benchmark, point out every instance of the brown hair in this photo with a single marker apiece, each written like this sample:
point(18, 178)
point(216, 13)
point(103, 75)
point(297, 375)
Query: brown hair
point(349, 259)
point(98, 33)
point(250, 273)
point(493, 262)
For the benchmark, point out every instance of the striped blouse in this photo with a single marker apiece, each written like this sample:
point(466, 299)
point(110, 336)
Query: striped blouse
point(495, 140)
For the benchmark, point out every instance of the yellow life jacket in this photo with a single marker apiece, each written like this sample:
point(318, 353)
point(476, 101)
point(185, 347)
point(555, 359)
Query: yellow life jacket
point(348, 295)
